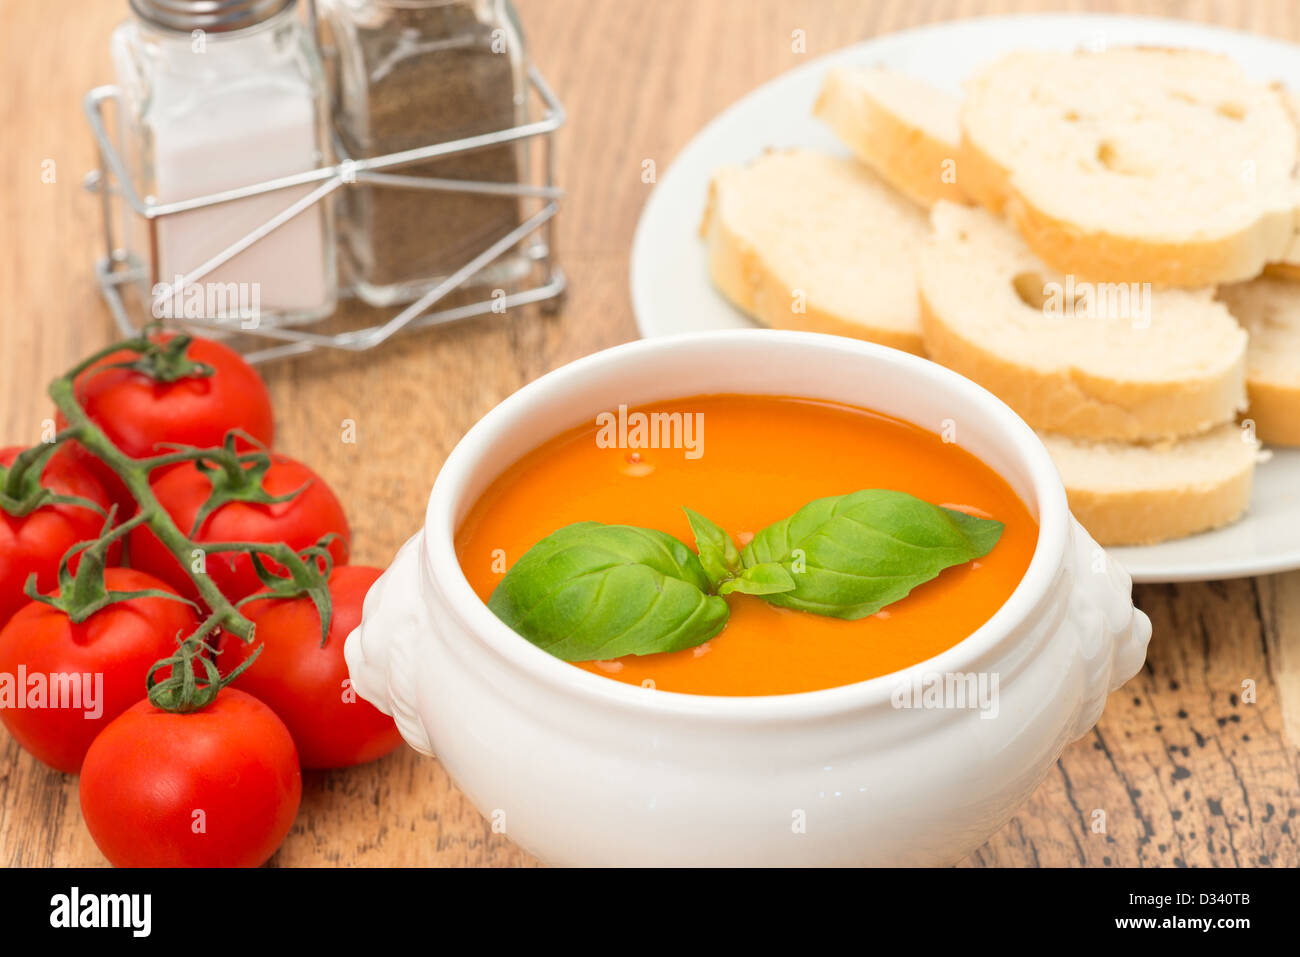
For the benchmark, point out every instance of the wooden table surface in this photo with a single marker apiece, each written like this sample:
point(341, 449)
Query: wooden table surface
point(1186, 772)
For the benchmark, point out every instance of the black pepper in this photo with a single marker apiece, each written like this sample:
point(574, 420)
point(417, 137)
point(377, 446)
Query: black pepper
point(413, 76)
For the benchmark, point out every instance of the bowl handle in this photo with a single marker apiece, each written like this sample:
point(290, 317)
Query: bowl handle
point(379, 651)
point(1111, 634)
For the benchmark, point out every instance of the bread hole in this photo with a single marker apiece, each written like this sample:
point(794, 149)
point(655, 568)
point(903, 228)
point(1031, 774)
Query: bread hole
point(1071, 116)
point(1111, 158)
point(1065, 297)
point(1182, 97)
point(1056, 297)
point(1031, 287)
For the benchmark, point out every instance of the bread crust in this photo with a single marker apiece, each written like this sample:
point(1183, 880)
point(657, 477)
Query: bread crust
point(983, 178)
point(905, 155)
point(1111, 257)
point(1070, 402)
point(1283, 270)
point(1147, 516)
point(1275, 410)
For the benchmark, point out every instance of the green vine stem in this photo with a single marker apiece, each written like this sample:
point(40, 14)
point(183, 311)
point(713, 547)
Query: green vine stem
point(303, 571)
point(135, 476)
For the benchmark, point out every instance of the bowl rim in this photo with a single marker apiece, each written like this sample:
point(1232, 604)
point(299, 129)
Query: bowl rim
point(488, 630)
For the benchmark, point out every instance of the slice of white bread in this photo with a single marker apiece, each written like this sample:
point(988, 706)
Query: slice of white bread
point(1130, 494)
point(1113, 362)
point(1289, 265)
point(1146, 165)
point(1269, 309)
point(800, 240)
point(903, 128)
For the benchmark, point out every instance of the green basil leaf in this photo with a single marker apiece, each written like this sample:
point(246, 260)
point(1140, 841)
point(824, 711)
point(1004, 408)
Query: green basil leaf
point(851, 555)
point(719, 555)
point(591, 592)
point(768, 578)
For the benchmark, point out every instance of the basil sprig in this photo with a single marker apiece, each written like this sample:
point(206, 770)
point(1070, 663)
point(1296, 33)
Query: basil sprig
point(726, 566)
point(591, 591)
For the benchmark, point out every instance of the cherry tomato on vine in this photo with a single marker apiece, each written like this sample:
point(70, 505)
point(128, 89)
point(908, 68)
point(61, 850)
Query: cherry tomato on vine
point(307, 684)
point(216, 787)
point(169, 398)
point(69, 680)
point(299, 522)
point(35, 542)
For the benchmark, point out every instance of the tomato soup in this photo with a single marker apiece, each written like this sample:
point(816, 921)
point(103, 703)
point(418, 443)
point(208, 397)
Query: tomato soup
point(749, 461)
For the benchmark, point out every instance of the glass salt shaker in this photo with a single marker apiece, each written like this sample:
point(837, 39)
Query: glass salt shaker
point(413, 73)
point(218, 95)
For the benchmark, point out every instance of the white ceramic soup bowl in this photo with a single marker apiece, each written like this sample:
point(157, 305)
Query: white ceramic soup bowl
point(583, 770)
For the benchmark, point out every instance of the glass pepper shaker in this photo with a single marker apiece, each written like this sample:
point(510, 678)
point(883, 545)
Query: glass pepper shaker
point(413, 73)
point(218, 95)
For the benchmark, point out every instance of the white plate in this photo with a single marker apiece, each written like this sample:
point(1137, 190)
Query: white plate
point(671, 291)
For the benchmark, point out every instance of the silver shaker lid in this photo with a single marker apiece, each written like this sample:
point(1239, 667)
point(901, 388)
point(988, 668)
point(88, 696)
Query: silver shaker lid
point(213, 16)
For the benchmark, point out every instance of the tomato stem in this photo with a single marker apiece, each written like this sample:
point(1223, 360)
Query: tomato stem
point(85, 593)
point(182, 691)
point(21, 491)
point(135, 476)
point(235, 476)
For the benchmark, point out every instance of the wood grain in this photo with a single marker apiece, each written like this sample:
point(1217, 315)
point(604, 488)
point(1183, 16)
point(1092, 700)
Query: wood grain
point(1185, 769)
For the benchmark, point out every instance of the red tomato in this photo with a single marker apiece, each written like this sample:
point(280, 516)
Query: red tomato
point(308, 685)
point(299, 523)
point(36, 542)
point(218, 787)
point(109, 653)
point(138, 412)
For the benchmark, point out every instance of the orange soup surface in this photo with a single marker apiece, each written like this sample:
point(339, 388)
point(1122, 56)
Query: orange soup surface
point(757, 460)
